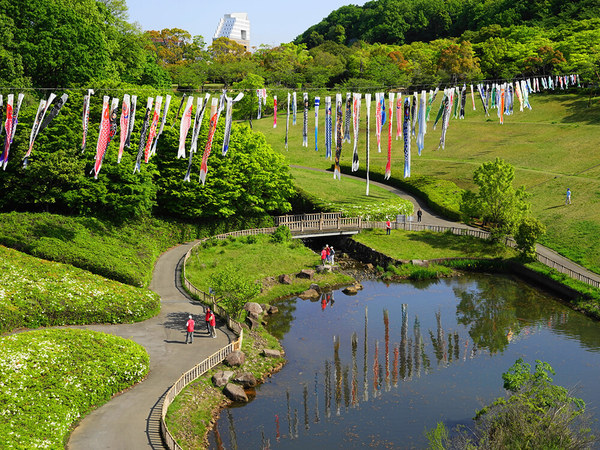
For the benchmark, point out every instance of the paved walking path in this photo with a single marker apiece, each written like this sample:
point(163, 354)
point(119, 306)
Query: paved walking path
point(131, 420)
point(431, 218)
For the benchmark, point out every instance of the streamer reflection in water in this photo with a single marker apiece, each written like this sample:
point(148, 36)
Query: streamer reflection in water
point(462, 326)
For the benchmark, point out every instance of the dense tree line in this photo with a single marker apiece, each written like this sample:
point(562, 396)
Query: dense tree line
point(251, 181)
point(71, 45)
point(494, 51)
point(405, 21)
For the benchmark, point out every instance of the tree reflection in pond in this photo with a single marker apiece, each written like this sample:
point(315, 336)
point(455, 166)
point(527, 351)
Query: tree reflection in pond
point(473, 327)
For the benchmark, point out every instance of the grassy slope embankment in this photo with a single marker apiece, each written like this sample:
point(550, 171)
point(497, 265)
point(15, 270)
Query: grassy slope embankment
point(120, 252)
point(35, 293)
point(552, 147)
point(408, 245)
point(348, 196)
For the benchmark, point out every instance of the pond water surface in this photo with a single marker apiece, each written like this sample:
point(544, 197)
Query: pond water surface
point(379, 368)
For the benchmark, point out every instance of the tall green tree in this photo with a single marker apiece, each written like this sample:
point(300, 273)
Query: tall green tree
point(72, 42)
point(497, 202)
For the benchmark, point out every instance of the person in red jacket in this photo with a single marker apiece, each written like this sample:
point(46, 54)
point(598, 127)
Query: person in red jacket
point(388, 227)
point(189, 326)
point(323, 255)
point(210, 322)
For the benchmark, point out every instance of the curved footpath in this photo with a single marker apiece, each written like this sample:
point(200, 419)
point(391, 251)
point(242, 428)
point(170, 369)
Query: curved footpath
point(431, 218)
point(131, 420)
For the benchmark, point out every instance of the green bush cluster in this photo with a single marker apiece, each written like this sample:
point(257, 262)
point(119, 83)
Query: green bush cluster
point(415, 272)
point(35, 292)
point(51, 378)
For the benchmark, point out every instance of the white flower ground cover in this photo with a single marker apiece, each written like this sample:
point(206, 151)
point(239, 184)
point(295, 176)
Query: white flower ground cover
point(50, 378)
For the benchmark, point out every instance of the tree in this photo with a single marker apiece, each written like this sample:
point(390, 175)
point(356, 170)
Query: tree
point(458, 62)
point(251, 181)
point(497, 203)
point(528, 232)
point(537, 413)
point(234, 288)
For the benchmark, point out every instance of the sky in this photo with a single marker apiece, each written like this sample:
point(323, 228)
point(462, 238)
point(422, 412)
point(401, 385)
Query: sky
point(272, 22)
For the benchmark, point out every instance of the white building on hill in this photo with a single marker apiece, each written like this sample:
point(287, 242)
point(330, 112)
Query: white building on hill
point(236, 27)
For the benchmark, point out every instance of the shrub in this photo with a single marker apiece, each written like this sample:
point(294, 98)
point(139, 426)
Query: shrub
point(536, 414)
point(282, 234)
point(528, 232)
point(35, 293)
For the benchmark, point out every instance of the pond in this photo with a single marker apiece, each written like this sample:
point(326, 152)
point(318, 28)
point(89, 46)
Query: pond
point(379, 368)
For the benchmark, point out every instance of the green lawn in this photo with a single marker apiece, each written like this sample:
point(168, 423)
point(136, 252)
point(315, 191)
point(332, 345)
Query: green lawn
point(552, 147)
point(51, 378)
point(258, 258)
point(407, 245)
point(348, 196)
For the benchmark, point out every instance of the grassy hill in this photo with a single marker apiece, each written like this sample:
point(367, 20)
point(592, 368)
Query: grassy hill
point(552, 147)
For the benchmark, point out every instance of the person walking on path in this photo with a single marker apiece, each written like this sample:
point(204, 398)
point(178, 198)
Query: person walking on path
point(331, 255)
point(323, 256)
point(328, 253)
point(568, 199)
point(189, 326)
point(388, 226)
point(419, 215)
point(210, 322)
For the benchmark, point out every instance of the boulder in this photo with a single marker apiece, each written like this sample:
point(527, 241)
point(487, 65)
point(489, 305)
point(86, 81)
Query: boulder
point(322, 269)
point(285, 279)
point(306, 273)
point(253, 307)
point(369, 266)
point(254, 315)
point(418, 262)
point(273, 309)
point(350, 290)
point(309, 293)
point(235, 393)
point(270, 353)
point(316, 287)
point(222, 377)
point(358, 286)
point(253, 323)
point(235, 358)
point(246, 379)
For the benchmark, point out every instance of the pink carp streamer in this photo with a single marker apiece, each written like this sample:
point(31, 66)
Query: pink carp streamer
point(184, 127)
point(124, 124)
point(388, 166)
point(152, 133)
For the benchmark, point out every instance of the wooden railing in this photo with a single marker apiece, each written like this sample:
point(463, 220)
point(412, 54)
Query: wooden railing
point(299, 224)
point(185, 379)
point(307, 223)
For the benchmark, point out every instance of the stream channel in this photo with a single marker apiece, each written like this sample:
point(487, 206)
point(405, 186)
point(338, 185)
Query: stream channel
point(379, 368)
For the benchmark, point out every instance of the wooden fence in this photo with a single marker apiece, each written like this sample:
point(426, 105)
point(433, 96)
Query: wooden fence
point(185, 379)
point(299, 224)
point(306, 223)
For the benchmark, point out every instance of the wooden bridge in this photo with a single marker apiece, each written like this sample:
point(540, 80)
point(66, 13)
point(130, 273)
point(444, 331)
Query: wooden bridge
point(333, 224)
